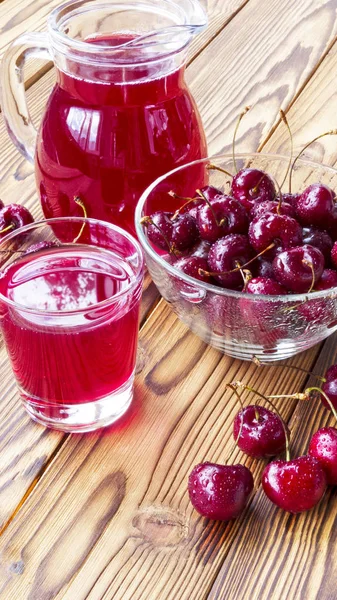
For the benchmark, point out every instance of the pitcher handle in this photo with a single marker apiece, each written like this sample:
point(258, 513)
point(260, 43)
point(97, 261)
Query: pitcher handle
point(12, 89)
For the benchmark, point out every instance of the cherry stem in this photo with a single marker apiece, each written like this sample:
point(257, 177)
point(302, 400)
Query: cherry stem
point(213, 274)
point(331, 132)
point(316, 389)
point(285, 121)
point(297, 396)
point(187, 201)
point(266, 398)
point(212, 167)
point(219, 224)
point(308, 263)
point(259, 363)
point(8, 228)
point(80, 203)
point(234, 136)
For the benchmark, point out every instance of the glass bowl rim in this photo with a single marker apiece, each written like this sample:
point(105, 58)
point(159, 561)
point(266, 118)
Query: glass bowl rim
point(209, 287)
point(98, 305)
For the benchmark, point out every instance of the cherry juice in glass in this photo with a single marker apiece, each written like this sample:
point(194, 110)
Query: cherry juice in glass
point(69, 318)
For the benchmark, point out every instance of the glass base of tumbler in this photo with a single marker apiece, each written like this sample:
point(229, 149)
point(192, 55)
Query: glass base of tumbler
point(79, 418)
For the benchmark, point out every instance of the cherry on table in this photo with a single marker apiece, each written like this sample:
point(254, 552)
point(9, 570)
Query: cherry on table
point(262, 432)
point(298, 269)
point(296, 485)
point(13, 216)
point(252, 185)
point(218, 491)
point(323, 446)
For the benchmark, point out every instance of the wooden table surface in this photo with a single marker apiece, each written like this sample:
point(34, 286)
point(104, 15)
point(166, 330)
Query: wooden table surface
point(107, 515)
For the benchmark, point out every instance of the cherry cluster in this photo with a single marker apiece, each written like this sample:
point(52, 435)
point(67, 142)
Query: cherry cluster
point(221, 491)
point(288, 241)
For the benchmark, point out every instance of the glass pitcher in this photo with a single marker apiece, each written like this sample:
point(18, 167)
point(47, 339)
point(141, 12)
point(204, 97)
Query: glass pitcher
point(120, 113)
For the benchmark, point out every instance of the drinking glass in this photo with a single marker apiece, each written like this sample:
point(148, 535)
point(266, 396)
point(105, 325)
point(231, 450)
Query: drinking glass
point(70, 292)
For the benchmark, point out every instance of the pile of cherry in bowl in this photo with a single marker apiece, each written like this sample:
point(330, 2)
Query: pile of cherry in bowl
point(255, 239)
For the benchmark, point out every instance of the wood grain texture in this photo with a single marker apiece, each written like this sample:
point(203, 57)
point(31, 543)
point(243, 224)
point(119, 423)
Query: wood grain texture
point(110, 516)
point(25, 447)
point(263, 58)
point(157, 546)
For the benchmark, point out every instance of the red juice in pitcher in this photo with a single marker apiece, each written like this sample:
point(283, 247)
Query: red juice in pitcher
point(107, 135)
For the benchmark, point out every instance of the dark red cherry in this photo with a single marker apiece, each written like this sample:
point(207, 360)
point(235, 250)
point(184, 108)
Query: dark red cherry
point(327, 281)
point(264, 268)
point(264, 285)
point(331, 373)
point(318, 238)
point(210, 192)
point(331, 225)
point(223, 215)
point(201, 249)
point(295, 485)
point(190, 265)
point(13, 216)
point(280, 230)
point(159, 229)
point(315, 204)
point(252, 185)
point(329, 387)
point(334, 254)
point(272, 206)
point(289, 199)
point(184, 232)
point(220, 492)
point(292, 268)
point(262, 432)
point(225, 255)
point(323, 446)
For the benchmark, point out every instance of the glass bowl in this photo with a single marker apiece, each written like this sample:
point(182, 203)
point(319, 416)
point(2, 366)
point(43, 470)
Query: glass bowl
point(238, 324)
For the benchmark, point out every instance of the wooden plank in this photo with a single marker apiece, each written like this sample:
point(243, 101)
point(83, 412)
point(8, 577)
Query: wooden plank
point(28, 444)
point(179, 425)
point(182, 414)
point(17, 17)
point(262, 58)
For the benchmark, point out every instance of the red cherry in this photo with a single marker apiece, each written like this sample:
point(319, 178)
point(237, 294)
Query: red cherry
point(262, 432)
point(265, 285)
point(252, 185)
point(295, 485)
point(314, 206)
point(272, 206)
point(223, 215)
point(13, 216)
point(191, 265)
point(225, 255)
point(318, 238)
point(327, 281)
point(323, 446)
point(329, 387)
point(292, 268)
point(280, 230)
point(220, 491)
